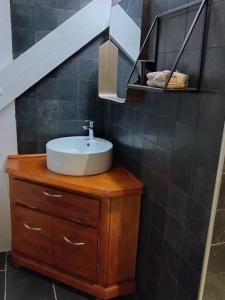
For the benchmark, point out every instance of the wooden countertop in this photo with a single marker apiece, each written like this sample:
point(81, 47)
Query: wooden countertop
point(116, 182)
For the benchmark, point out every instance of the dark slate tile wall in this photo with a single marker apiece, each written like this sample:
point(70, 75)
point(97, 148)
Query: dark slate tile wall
point(58, 105)
point(172, 142)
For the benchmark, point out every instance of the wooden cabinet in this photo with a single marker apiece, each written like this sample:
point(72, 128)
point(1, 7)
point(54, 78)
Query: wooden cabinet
point(82, 231)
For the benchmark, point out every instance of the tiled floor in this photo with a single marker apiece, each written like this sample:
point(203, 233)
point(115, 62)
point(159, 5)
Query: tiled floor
point(22, 284)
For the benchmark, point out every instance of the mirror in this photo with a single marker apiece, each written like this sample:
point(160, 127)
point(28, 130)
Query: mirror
point(118, 55)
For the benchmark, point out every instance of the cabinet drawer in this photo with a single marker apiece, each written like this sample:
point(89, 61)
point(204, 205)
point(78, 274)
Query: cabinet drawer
point(58, 203)
point(75, 249)
point(32, 234)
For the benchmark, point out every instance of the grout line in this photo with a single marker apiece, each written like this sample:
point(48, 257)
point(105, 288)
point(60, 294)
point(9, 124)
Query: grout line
point(54, 291)
point(6, 262)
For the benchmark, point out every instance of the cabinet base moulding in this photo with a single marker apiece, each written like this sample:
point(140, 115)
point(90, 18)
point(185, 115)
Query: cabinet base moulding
point(101, 293)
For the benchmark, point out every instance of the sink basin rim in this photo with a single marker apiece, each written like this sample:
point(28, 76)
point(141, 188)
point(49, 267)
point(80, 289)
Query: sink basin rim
point(50, 145)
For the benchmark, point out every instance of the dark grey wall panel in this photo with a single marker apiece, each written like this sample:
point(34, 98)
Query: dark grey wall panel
point(172, 142)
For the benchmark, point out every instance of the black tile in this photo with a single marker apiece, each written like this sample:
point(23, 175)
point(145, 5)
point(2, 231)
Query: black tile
point(27, 130)
point(68, 128)
point(189, 280)
point(25, 109)
point(84, 3)
point(213, 74)
point(68, 89)
point(39, 35)
point(22, 16)
point(28, 147)
point(63, 15)
point(177, 202)
point(171, 259)
point(182, 295)
point(2, 285)
point(22, 40)
point(174, 233)
point(212, 112)
point(207, 149)
point(45, 18)
point(197, 219)
point(168, 286)
point(163, 35)
point(87, 109)
point(47, 89)
point(156, 240)
point(68, 69)
point(216, 37)
point(88, 90)
point(170, 58)
point(158, 217)
point(177, 3)
point(159, 189)
point(48, 110)
point(29, 94)
point(68, 110)
point(154, 265)
point(91, 51)
point(48, 3)
point(64, 292)
point(184, 140)
point(176, 32)
point(202, 185)
point(191, 65)
point(24, 2)
point(166, 132)
point(88, 69)
point(2, 260)
point(197, 34)
point(21, 284)
point(161, 161)
point(68, 4)
point(188, 107)
point(193, 251)
point(167, 105)
point(151, 128)
point(48, 129)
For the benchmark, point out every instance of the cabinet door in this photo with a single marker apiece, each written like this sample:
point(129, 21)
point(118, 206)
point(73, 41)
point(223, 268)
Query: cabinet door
point(75, 249)
point(32, 232)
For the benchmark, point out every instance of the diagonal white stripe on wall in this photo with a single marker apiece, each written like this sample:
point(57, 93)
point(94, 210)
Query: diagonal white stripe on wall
point(52, 50)
point(125, 32)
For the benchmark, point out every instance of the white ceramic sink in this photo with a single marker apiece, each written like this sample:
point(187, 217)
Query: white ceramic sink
point(79, 155)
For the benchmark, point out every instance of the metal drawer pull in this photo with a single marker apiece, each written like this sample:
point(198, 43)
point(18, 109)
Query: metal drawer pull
point(75, 244)
point(76, 220)
point(31, 228)
point(51, 195)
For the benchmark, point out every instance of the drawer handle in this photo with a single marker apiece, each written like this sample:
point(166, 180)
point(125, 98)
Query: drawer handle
point(75, 244)
point(31, 228)
point(77, 220)
point(51, 195)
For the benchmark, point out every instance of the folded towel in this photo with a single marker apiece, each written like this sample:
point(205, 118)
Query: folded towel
point(159, 79)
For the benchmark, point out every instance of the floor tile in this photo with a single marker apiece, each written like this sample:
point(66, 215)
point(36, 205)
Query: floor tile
point(2, 260)
point(65, 292)
point(25, 285)
point(2, 285)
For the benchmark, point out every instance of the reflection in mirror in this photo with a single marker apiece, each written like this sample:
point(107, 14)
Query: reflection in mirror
point(117, 56)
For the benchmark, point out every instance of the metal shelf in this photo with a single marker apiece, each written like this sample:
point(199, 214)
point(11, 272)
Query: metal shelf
point(203, 5)
point(160, 90)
